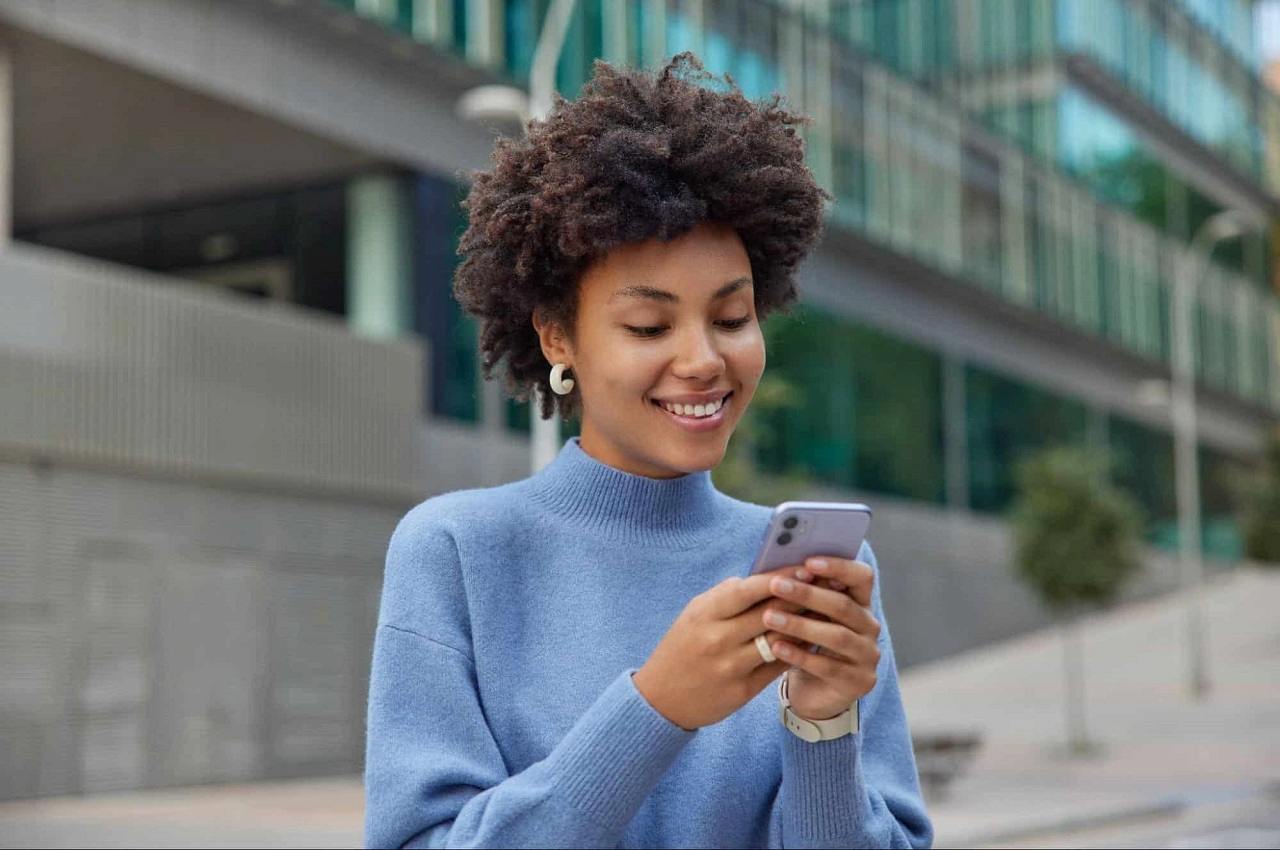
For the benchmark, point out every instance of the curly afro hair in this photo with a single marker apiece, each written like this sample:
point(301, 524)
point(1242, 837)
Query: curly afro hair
point(638, 155)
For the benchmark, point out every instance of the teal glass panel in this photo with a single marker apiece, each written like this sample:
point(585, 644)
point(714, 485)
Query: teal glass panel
point(458, 339)
point(518, 416)
point(1007, 421)
point(459, 25)
point(570, 428)
point(523, 21)
point(681, 34)
point(867, 411)
point(1142, 466)
point(461, 395)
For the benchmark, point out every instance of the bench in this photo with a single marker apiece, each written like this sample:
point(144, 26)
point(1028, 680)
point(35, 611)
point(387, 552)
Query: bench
point(942, 756)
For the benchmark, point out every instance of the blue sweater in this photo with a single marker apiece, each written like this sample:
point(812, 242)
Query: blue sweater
point(502, 712)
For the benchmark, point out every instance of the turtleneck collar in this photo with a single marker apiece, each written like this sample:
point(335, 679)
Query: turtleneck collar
point(623, 506)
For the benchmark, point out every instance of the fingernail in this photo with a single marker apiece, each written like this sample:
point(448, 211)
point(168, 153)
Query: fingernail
point(773, 618)
point(782, 650)
point(783, 585)
point(802, 575)
point(816, 564)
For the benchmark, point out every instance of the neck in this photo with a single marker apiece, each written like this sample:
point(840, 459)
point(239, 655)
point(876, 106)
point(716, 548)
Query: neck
point(605, 452)
point(619, 505)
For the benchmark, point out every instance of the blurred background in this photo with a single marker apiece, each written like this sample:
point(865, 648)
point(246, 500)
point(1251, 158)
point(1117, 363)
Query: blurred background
point(230, 361)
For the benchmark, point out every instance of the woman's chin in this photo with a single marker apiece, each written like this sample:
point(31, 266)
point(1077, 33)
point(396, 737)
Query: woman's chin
point(698, 457)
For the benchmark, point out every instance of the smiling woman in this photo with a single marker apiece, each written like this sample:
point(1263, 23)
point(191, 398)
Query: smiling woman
point(548, 650)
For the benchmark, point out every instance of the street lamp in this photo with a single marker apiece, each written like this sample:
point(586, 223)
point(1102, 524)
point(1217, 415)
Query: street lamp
point(1226, 224)
point(497, 103)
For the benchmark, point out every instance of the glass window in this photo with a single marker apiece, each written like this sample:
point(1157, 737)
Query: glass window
point(1143, 467)
point(1007, 421)
point(518, 416)
point(981, 218)
point(849, 176)
point(523, 20)
point(868, 413)
point(452, 334)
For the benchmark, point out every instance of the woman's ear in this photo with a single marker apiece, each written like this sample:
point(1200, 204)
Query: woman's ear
point(554, 344)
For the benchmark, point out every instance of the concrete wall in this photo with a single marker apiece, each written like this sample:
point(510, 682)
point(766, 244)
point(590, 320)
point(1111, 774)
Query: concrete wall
point(167, 632)
point(196, 495)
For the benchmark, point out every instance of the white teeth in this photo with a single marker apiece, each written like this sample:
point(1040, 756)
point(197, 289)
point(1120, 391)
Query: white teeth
point(696, 410)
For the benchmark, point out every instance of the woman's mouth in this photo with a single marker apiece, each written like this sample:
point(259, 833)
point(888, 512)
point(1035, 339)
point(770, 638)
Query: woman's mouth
point(697, 418)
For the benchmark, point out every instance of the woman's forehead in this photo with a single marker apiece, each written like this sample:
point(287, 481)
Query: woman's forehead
point(702, 262)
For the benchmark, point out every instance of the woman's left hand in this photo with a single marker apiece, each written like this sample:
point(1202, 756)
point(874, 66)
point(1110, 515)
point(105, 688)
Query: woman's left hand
point(825, 684)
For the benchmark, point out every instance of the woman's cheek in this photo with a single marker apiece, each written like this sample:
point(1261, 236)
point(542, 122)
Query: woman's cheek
point(748, 356)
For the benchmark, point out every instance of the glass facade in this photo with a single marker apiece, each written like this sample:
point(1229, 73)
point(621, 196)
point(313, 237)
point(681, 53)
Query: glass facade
point(1179, 63)
point(1098, 147)
point(869, 407)
point(285, 245)
point(1005, 61)
point(1193, 60)
point(1142, 460)
point(908, 168)
point(1007, 420)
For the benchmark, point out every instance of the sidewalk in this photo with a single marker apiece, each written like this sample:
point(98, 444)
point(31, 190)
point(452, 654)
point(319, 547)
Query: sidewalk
point(298, 813)
point(1164, 754)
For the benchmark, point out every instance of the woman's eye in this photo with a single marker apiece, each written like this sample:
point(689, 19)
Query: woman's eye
point(644, 331)
point(734, 324)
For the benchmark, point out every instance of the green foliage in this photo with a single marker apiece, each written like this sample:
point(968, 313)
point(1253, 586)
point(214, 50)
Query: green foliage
point(1076, 535)
point(1262, 509)
point(737, 474)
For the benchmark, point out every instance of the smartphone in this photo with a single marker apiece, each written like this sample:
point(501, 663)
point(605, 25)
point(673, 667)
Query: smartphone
point(800, 530)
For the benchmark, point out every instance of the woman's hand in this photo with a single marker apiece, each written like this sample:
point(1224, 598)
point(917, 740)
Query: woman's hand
point(707, 665)
point(825, 684)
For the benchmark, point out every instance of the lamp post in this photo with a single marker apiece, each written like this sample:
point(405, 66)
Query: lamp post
point(1226, 224)
point(507, 104)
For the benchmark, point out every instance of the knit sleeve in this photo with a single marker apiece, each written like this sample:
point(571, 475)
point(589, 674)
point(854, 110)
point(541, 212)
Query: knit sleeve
point(861, 790)
point(434, 775)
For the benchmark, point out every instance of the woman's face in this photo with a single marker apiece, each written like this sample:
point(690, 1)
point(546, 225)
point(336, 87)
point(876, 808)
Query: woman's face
point(657, 322)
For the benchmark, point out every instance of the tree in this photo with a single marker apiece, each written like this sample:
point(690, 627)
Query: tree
point(1262, 508)
point(1076, 544)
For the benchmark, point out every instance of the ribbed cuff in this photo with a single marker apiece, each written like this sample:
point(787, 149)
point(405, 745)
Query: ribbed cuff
point(822, 790)
point(615, 754)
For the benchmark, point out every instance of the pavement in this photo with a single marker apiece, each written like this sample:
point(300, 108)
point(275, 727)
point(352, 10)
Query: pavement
point(1165, 759)
point(318, 813)
point(1170, 771)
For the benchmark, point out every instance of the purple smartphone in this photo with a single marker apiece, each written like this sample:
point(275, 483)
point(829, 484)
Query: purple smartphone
point(800, 530)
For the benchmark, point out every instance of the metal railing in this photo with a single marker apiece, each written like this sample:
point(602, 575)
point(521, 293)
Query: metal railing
point(106, 365)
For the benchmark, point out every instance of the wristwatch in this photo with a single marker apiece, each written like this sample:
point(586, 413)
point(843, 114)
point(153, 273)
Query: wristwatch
point(815, 730)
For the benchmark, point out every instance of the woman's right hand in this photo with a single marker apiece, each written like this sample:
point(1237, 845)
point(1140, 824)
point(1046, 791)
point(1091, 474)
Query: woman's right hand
point(707, 666)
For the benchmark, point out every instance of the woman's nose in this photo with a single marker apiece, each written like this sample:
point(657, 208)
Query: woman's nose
point(699, 358)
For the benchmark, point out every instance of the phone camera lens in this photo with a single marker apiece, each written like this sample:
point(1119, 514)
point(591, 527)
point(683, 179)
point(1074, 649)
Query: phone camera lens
point(784, 538)
point(790, 522)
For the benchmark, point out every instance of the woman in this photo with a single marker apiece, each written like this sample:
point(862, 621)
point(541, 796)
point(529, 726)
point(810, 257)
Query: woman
point(573, 659)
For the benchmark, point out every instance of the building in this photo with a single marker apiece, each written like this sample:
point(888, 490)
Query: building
point(229, 360)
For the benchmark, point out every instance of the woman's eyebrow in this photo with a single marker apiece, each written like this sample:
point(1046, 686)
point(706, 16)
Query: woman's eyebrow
point(640, 291)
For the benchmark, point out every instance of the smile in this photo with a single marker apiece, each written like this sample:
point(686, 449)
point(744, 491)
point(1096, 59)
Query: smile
point(699, 417)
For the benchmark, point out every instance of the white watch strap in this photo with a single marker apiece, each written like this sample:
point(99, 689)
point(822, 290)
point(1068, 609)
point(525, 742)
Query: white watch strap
point(815, 730)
